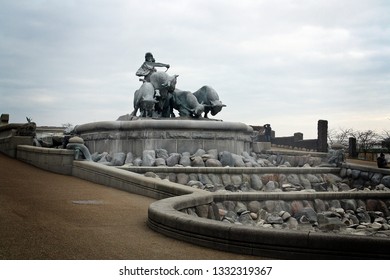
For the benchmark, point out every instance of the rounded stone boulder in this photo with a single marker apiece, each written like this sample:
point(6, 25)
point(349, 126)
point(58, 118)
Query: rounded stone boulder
point(76, 140)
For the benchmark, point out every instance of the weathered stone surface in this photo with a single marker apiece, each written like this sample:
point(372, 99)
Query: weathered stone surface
point(386, 181)
point(202, 211)
point(226, 180)
point(254, 206)
point(332, 179)
point(195, 184)
point(173, 159)
point(105, 157)
point(96, 156)
point(151, 175)
point(344, 187)
point(376, 178)
point(329, 223)
point(284, 215)
point(162, 153)
point(160, 162)
point(240, 207)
point(118, 159)
point(355, 173)
point(197, 161)
point(270, 186)
point(148, 157)
point(211, 154)
point(270, 206)
point(213, 212)
point(305, 182)
point(274, 218)
point(137, 162)
point(319, 205)
point(204, 178)
point(229, 205)
point(185, 160)
point(292, 223)
point(76, 139)
point(172, 177)
point(211, 162)
point(343, 172)
point(306, 213)
point(348, 204)
point(236, 180)
point(226, 159)
point(256, 183)
point(238, 161)
point(313, 178)
point(296, 206)
point(182, 178)
point(199, 153)
point(129, 158)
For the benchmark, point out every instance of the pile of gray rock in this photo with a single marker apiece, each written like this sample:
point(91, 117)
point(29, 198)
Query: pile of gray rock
point(277, 182)
point(347, 180)
point(348, 216)
point(365, 180)
point(202, 158)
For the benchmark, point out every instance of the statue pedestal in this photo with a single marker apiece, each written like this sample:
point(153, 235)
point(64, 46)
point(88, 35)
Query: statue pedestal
point(174, 135)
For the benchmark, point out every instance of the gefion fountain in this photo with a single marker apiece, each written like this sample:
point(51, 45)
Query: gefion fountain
point(249, 208)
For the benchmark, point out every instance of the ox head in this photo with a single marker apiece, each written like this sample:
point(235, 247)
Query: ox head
point(170, 84)
point(216, 107)
point(198, 110)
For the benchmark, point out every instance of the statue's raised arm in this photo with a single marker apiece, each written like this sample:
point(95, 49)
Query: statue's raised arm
point(148, 67)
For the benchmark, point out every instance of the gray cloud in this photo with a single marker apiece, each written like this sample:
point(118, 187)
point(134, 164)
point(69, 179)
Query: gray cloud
point(288, 63)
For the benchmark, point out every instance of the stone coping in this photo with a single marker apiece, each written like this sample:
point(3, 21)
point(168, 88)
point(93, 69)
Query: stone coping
point(54, 160)
point(233, 170)
point(289, 152)
point(164, 216)
point(10, 126)
point(366, 168)
point(129, 181)
point(42, 150)
point(178, 123)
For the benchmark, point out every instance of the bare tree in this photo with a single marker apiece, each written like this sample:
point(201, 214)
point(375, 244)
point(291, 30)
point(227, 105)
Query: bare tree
point(366, 140)
point(385, 137)
point(340, 136)
point(68, 128)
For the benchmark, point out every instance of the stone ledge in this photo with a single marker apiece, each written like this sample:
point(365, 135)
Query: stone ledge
point(42, 150)
point(177, 123)
point(233, 170)
point(129, 181)
point(54, 160)
point(366, 168)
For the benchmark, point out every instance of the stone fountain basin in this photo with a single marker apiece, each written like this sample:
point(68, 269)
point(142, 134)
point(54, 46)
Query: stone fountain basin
point(176, 135)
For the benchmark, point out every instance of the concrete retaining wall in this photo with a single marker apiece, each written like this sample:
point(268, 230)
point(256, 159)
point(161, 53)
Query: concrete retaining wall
point(54, 160)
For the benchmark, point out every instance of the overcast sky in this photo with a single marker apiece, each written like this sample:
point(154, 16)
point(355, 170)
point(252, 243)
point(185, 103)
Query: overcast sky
point(283, 62)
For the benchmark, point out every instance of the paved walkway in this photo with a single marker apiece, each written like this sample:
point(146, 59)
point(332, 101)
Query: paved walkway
point(49, 216)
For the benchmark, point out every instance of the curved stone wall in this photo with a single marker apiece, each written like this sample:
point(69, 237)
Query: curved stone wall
point(165, 216)
point(174, 135)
